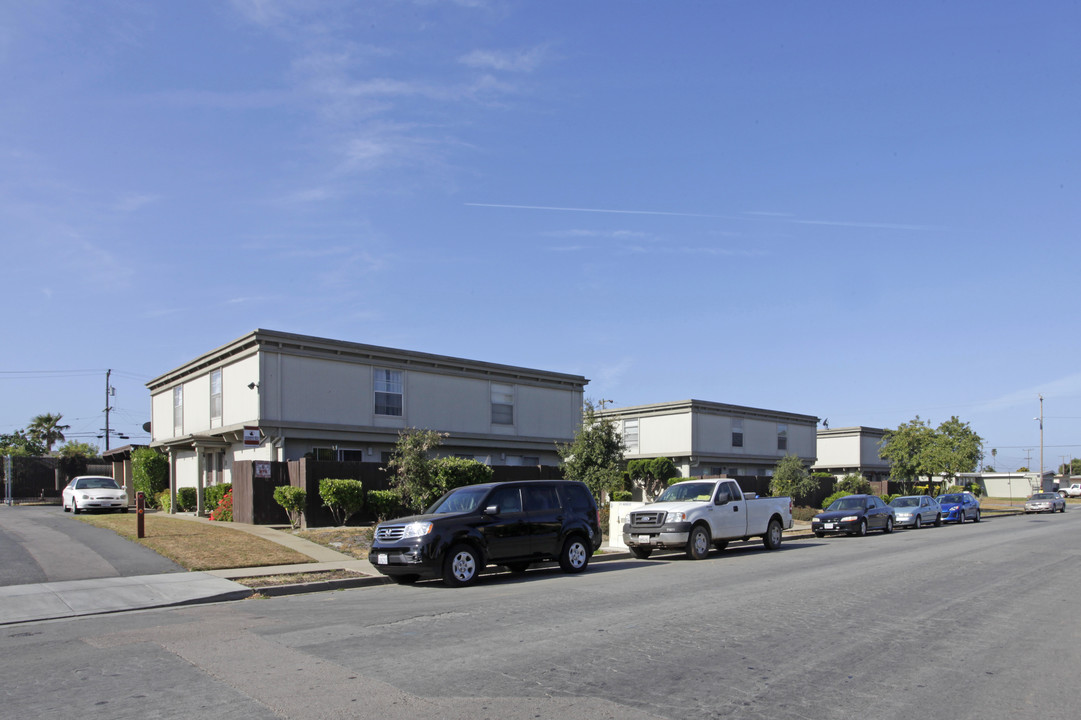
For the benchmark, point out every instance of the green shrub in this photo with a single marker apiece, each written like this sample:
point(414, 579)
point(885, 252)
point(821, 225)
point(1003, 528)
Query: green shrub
point(186, 499)
point(149, 472)
point(804, 513)
point(343, 497)
point(161, 500)
point(854, 484)
point(213, 494)
point(293, 500)
point(384, 504)
point(223, 511)
point(954, 489)
point(622, 496)
point(829, 501)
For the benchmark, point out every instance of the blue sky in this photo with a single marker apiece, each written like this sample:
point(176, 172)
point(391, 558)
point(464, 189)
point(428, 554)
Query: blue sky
point(864, 211)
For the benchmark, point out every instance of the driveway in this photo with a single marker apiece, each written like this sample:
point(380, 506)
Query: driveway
point(44, 544)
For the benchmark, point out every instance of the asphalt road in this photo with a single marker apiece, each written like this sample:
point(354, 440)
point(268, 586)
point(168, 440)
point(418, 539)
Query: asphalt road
point(45, 544)
point(976, 621)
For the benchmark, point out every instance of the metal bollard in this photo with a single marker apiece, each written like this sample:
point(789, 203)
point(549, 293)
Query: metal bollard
point(140, 506)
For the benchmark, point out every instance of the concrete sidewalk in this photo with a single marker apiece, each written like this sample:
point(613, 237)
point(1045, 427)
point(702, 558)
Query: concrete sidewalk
point(50, 601)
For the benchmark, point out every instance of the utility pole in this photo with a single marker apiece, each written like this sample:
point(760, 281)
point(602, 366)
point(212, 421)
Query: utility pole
point(1041, 442)
point(108, 392)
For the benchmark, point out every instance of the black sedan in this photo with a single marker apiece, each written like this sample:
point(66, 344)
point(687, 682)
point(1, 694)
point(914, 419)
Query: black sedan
point(854, 515)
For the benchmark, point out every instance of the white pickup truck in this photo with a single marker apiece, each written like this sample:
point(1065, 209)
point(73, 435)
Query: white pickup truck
point(694, 514)
point(1072, 491)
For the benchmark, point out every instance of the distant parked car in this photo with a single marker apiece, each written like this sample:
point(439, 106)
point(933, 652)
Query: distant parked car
point(1073, 491)
point(93, 492)
point(959, 507)
point(916, 510)
point(1045, 502)
point(854, 515)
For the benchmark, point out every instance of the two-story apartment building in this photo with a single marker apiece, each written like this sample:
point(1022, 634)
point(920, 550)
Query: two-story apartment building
point(279, 396)
point(708, 438)
point(846, 450)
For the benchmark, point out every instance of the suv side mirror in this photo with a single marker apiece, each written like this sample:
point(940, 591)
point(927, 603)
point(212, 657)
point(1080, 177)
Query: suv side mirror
point(491, 510)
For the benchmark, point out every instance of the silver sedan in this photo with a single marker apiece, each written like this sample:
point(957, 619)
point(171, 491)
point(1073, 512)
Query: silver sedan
point(915, 511)
point(1045, 502)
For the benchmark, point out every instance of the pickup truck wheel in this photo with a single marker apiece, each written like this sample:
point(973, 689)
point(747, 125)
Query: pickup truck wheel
point(698, 542)
point(772, 538)
point(575, 555)
point(461, 566)
point(641, 552)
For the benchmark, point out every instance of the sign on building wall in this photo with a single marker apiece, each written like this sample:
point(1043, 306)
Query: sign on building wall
point(251, 435)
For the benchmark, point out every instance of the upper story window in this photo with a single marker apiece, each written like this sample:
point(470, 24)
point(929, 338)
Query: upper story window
point(215, 398)
point(388, 392)
point(737, 432)
point(178, 410)
point(782, 436)
point(502, 404)
point(630, 435)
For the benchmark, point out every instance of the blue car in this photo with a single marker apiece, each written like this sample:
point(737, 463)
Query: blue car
point(959, 507)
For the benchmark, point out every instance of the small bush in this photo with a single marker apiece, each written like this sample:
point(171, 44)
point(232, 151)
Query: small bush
point(954, 489)
point(186, 498)
point(384, 504)
point(622, 496)
point(213, 494)
point(343, 497)
point(804, 513)
point(293, 500)
point(829, 501)
point(854, 484)
point(223, 511)
point(161, 500)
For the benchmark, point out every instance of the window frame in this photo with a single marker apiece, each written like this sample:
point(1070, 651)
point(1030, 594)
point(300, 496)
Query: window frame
point(384, 382)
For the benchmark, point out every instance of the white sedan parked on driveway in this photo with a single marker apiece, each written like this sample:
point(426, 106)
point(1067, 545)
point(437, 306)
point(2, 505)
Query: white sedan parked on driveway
point(94, 492)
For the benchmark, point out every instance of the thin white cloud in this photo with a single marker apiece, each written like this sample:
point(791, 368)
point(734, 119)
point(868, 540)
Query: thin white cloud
point(1064, 387)
point(506, 61)
point(590, 210)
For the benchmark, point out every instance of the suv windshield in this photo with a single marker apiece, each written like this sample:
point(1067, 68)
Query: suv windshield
point(688, 491)
point(460, 500)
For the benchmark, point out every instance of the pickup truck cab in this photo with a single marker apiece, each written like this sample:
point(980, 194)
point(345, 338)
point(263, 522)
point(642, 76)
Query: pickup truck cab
point(1073, 491)
point(695, 514)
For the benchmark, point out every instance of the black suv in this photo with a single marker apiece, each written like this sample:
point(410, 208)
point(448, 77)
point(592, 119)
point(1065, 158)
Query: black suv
point(509, 523)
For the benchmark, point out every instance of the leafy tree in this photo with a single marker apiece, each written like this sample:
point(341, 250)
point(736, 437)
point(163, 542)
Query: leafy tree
point(343, 497)
point(595, 455)
point(76, 449)
point(46, 430)
point(652, 474)
point(915, 449)
point(18, 444)
point(905, 449)
point(1074, 468)
point(790, 478)
point(956, 449)
point(1023, 468)
point(413, 474)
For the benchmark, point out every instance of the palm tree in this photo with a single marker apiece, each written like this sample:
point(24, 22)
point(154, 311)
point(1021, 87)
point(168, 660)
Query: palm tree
point(47, 430)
